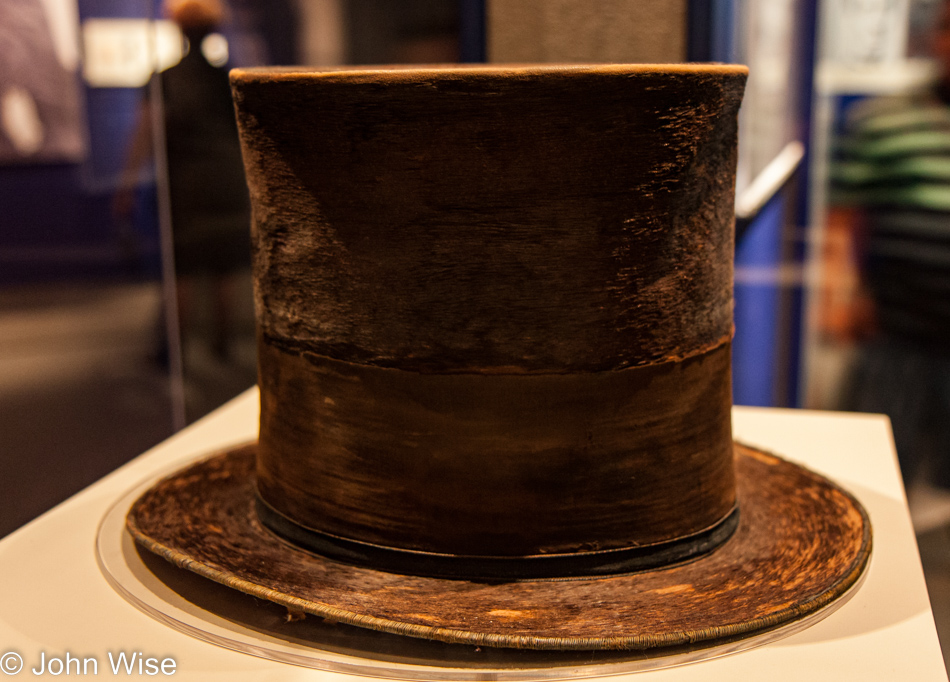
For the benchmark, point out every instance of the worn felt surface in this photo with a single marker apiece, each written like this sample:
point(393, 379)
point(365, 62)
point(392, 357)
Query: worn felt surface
point(801, 542)
point(521, 219)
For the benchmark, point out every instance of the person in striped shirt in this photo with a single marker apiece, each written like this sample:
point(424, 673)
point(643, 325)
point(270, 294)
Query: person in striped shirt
point(891, 192)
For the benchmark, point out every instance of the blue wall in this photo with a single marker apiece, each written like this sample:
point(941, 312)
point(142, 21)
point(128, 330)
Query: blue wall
point(756, 346)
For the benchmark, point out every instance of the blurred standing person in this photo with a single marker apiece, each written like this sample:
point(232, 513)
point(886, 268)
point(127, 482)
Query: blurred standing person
point(210, 212)
point(891, 189)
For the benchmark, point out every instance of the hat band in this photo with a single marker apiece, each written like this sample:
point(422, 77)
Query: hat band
point(490, 568)
point(497, 465)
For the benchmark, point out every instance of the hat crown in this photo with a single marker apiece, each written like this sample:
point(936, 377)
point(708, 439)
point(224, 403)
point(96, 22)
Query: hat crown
point(494, 307)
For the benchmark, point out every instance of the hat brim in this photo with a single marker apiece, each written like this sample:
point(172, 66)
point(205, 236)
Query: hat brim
point(801, 543)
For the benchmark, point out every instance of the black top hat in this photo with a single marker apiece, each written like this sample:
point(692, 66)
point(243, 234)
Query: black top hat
point(494, 314)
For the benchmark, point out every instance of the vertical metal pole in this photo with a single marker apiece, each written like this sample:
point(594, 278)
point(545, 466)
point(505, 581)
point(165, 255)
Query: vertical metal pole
point(176, 370)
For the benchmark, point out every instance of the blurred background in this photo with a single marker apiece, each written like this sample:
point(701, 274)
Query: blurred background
point(125, 298)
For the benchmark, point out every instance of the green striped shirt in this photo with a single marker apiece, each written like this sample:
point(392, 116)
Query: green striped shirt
point(894, 162)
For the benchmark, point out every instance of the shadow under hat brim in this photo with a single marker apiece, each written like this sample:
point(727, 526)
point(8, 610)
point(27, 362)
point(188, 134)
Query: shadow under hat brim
point(801, 543)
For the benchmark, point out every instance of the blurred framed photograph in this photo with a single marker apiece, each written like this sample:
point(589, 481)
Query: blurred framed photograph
point(41, 114)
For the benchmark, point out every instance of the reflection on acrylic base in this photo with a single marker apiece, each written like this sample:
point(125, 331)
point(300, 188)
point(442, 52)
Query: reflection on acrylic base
point(228, 618)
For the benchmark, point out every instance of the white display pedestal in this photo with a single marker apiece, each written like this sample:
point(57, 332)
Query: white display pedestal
point(55, 602)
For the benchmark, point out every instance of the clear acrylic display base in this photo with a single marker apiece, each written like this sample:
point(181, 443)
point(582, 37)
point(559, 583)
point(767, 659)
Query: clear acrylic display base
point(228, 618)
